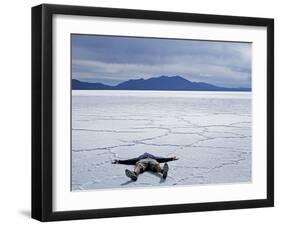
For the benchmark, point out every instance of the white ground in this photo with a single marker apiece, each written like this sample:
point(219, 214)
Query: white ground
point(209, 132)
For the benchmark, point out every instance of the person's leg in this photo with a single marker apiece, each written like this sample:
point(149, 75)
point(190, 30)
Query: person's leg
point(139, 168)
point(155, 167)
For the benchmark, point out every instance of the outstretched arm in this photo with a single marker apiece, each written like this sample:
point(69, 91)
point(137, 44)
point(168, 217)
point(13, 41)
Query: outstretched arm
point(126, 161)
point(161, 160)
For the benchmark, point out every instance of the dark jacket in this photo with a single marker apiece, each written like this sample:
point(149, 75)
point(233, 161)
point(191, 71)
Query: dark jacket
point(144, 156)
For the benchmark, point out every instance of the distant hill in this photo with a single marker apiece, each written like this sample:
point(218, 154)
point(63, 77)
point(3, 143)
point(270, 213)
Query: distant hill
point(157, 83)
point(78, 85)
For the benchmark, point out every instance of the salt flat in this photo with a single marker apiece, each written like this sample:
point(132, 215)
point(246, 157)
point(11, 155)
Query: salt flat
point(210, 133)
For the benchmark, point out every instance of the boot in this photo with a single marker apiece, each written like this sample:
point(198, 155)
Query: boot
point(165, 170)
point(131, 174)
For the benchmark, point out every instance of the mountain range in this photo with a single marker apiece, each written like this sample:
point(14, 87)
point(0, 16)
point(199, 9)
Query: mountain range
point(174, 83)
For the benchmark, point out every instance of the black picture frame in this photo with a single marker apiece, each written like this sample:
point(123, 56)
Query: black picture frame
point(42, 106)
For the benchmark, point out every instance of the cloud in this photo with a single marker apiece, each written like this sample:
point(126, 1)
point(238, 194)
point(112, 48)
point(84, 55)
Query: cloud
point(114, 59)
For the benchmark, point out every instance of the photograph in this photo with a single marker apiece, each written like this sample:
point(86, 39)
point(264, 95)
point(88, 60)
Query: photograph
point(146, 112)
point(151, 112)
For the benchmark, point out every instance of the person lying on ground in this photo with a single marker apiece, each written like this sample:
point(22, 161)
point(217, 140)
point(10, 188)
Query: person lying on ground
point(146, 162)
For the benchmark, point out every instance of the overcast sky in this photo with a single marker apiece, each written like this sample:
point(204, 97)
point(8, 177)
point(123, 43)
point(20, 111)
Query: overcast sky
point(111, 60)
